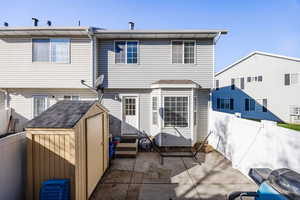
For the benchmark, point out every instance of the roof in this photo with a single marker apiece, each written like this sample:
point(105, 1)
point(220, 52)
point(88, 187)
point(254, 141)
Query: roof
point(46, 30)
point(257, 53)
point(174, 82)
point(64, 114)
point(199, 33)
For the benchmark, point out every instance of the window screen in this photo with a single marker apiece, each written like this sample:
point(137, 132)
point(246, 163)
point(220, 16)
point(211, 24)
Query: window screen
point(177, 52)
point(176, 111)
point(120, 51)
point(242, 82)
point(41, 50)
point(40, 104)
point(287, 79)
point(60, 50)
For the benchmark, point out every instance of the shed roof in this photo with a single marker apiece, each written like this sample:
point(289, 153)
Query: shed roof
point(64, 114)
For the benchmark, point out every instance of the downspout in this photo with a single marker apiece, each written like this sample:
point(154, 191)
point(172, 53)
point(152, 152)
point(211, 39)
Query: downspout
point(6, 103)
point(91, 35)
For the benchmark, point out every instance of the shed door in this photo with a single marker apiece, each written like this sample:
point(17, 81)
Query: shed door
point(130, 122)
point(95, 168)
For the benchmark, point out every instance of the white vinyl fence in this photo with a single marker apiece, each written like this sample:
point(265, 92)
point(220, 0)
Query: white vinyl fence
point(4, 120)
point(13, 166)
point(249, 144)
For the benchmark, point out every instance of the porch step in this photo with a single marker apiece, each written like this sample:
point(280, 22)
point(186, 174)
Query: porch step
point(127, 148)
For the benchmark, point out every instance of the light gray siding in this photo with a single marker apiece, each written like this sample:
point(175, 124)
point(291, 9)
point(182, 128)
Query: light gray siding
point(155, 63)
point(2, 100)
point(18, 70)
point(279, 96)
point(203, 107)
point(21, 100)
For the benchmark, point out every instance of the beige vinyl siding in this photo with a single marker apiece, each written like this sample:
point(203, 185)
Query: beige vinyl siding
point(21, 100)
point(155, 63)
point(115, 109)
point(202, 115)
point(18, 70)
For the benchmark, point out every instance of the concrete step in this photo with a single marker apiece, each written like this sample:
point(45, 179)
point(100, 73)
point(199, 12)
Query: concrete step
point(125, 154)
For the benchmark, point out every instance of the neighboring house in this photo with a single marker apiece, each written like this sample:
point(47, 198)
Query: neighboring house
point(260, 86)
point(157, 82)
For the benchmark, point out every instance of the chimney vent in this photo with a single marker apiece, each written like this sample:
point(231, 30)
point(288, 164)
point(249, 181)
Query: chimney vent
point(5, 24)
point(49, 23)
point(35, 21)
point(131, 25)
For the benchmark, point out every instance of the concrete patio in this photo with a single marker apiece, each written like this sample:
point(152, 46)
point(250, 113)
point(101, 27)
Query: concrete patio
point(144, 178)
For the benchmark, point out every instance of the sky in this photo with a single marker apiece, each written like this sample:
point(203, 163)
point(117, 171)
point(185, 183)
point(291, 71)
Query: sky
point(272, 26)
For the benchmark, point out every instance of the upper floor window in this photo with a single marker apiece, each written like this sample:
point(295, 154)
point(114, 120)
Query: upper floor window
point(254, 79)
point(183, 52)
point(291, 79)
point(55, 50)
point(126, 52)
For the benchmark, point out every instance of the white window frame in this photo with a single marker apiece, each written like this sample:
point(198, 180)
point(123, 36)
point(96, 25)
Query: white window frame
point(40, 95)
point(50, 52)
point(138, 52)
point(183, 41)
point(195, 109)
point(71, 97)
point(155, 111)
point(163, 101)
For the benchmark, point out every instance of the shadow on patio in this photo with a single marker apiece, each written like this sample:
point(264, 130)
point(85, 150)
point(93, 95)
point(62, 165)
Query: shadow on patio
point(145, 178)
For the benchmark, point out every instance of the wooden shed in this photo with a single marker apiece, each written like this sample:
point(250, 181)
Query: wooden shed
point(69, 140)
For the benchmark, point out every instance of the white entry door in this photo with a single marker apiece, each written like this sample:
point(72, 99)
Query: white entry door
point(130, 122)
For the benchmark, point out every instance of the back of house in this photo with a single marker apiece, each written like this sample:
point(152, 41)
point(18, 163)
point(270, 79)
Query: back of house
point(260, 86)
point(155, 81)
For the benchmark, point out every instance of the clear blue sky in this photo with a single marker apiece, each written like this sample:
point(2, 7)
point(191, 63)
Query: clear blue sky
point(265, 25)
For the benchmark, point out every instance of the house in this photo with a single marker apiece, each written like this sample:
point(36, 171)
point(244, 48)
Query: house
point(260, 86)
point(155, 81)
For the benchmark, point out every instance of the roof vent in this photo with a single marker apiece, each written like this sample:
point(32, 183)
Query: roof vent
point(5, 24)
point(131, 25)
point(35, 21)
point(49, 23)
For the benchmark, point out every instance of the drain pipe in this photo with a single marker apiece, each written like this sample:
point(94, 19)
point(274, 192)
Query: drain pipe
point(6, 102)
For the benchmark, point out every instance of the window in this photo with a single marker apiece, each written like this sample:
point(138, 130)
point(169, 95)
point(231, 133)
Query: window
point(260, 78)
point(68, 97)
point(130, 108)
point(154, 111)
point(294, 78)
point(226, 104)
point(259, 105)
point(242, 82)
point(40, 104)
point(55, 50)
point(217, 84)
point(254, 79)
point(295, 110)
point(183, 52)
point(126, 52)
point(176, 111)
point(195, 110)
point(232, 84)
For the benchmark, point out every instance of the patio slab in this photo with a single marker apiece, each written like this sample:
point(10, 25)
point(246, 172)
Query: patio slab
point(144, 178)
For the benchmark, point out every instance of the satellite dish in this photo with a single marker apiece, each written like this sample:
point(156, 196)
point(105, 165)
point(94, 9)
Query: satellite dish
point(99, 81)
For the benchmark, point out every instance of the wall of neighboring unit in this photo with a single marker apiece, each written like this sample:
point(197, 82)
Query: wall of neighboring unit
point(21, 101)
point(18, 70)
point(155, 63)
point(13, 166)
point(250, 144)
point(280, 97)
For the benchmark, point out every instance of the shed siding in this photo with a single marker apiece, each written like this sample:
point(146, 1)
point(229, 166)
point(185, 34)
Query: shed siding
point(155, 64)
point(18, 70)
